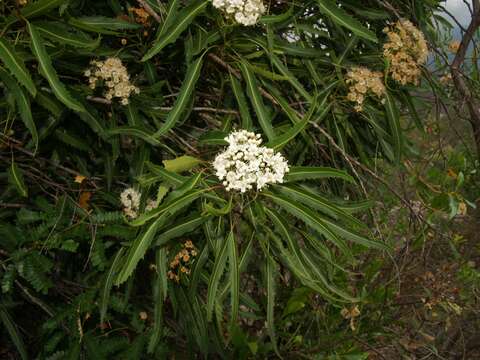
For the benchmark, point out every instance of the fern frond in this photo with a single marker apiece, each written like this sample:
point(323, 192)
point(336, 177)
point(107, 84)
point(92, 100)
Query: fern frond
point(107, 217)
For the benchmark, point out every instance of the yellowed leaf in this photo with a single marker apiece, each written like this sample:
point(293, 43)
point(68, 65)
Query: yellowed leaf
point(79, 179)
point(84, 200)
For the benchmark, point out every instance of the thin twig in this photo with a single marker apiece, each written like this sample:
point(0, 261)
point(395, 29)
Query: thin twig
point(237, 74)
point(149, 10)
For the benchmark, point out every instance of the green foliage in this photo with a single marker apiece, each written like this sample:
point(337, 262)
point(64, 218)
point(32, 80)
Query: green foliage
point(96, 283)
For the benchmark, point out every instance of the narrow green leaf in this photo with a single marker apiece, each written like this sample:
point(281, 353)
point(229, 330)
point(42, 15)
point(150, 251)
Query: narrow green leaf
point(393, 116)
point(135, 132)
point(282, 228)
point(35, 8)
point(138, 249)
point(299, 173)
point(107, 285)
point(48, 71)
point(310, 218)
point(16, 66)
point(172, 14)
point(170, 207)
point(234, 278)
point(290, 77)
point(172, 178)
point(63, 34)
point(180, 228)
point(23, 104)
point(15, 177)
point(216, 275)
point(353, 236)
point(12, 330)
point(287, 137)
point(318, 202)
point(159, 296)
point(183, 98)
point(339, 16)
point(102, 24)
point(257, 102)
point(270, 278)
point(242, 103)
point(182, 20)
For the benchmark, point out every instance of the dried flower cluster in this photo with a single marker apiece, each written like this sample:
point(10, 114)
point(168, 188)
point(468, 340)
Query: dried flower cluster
point(130, 199)
point(245, 12)
point(454, 46)
point(141, 16)
point(363, 81)
point(115, 78)
point(22, 2)
point(245, 163)
point(180, 264)
point(406, 50)
point(446, 79)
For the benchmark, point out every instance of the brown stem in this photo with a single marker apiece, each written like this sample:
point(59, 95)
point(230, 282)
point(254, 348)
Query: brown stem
point(149, 10)
point(458, 79)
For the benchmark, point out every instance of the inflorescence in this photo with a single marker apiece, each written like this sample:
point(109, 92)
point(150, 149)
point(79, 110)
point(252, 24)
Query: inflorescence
point(130, 199)
point(182, 261)
point(115, 77)
point(406, 50)
point(363, 81)
point(245, 163)
point(245, 12)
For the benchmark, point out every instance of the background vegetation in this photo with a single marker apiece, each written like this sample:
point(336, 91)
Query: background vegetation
point(368, 250)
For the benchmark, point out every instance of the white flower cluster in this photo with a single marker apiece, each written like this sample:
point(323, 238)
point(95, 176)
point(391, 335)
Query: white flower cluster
point(115, 76)
point(245, 12)
point(245, 163)
point(130, 199)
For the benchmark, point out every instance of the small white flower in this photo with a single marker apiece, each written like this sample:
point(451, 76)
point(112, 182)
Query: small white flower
point(245, 163)
point(130, 199)
point(245, 12)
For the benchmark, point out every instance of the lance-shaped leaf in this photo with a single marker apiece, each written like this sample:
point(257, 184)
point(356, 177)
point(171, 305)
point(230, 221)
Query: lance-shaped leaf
point(310, 218)
point(299, 173)
point(34, 9)
point(242, 103)
point(135, 132)
point(234, 277)
point(339, 16)
point(102, 24)
point(216, 275)
point(290, 77)
point(170, 207)
point(107, 285)
point(12, 330)
point(138, 249)
point(393, 116)
point(23, 104)
point(63, 34)
point(47, 70)
point(257, 102)
point(182, 20)
point(183, 98)
point(16, 66)
point(15, 177)
point(180, 228)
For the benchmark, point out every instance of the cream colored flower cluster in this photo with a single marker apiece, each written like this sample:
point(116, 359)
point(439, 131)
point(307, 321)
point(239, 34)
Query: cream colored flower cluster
point(245, 12)
point(363, 81)
point(406, 50)
point(130, 199)
point(245, 163)
point(115, 78)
